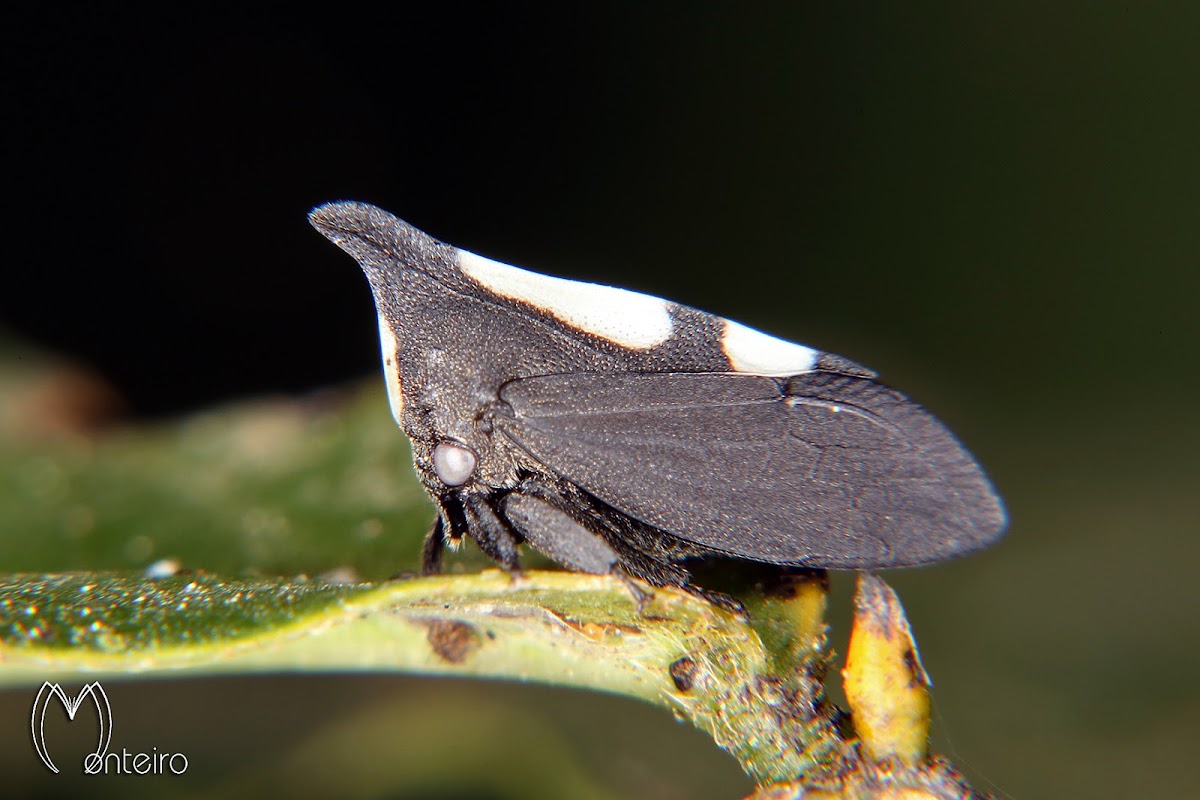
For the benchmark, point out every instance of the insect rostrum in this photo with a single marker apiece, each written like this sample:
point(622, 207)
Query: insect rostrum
point(617, 432)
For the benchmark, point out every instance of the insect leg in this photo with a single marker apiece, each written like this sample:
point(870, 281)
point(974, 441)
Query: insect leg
point(495, 537)
point(431, 550)
point(641, 596)
point(580, 532)
point(539, 511)
point(554, 533)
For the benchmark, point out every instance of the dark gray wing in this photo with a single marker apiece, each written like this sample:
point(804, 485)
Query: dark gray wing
point(818, 469)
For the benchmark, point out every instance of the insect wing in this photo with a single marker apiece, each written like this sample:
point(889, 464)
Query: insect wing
point(820, 469)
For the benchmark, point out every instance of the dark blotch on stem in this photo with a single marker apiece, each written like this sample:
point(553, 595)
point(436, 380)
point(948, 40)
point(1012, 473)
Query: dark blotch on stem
point(683, 673)
point(452, 640)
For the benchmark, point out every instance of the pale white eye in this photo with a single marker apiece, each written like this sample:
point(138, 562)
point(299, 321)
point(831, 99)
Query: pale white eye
point(453, 463)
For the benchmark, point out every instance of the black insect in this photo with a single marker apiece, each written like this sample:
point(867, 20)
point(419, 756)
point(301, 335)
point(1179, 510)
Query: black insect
point(620, 433)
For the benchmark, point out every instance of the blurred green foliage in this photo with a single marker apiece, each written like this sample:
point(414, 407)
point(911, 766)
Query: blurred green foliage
point(269, 487)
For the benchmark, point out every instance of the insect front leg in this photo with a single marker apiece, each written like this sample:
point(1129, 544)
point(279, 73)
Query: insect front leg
point(431, 550)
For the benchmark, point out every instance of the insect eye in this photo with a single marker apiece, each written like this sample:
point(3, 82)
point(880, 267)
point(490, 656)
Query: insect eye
point(453, 463)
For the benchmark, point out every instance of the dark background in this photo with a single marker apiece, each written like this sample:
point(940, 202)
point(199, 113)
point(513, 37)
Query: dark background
point(996, 206)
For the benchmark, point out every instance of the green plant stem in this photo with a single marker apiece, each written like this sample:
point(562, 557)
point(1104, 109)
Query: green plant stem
point(706, 665)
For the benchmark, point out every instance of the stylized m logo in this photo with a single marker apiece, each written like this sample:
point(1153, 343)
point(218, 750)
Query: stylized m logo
point(93, 761)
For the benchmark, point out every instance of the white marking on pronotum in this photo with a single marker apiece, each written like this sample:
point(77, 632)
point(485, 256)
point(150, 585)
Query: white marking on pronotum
point(751, 351)
point(390, 349)
point(630, 319)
